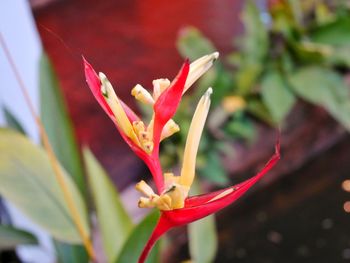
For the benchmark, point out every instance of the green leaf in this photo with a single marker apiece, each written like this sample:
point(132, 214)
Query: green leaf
point(192, 44)
point(28, 181)
point(68, 253)
point(58, 124)
point(334, 33)
point(137, 240)
point(10, 237)
point(12, 121)
point(325, 88)
point(114, 222)
point(276, 95)
point(202, 235)
point(257, 108)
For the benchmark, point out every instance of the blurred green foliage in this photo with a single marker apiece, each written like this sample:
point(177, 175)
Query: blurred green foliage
point(289, 50)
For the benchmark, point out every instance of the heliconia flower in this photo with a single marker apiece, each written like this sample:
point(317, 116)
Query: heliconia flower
point(144, 139)
point(176, 207)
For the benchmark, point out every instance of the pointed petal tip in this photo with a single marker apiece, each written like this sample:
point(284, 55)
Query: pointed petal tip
point(209, 91)
point(215, 55)
point(86, 63)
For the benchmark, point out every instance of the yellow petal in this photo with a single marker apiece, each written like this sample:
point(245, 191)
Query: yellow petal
point(199, 67)
point(117, 109)
point(193, 138)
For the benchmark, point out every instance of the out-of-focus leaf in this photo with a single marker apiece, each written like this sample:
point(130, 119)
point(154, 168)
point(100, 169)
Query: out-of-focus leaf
point(193, 44)
point(203, 240)
point(138, 238)
point(68, 253)
point(213, 169)
point(276, 95)
point(258, 109)
point(58, 124)
point(114, 222)
point(325, 88)
point(12, 122)
point(323, 14)
point(28, 181)
point(340, 56)
point(334, 33)
point(253, 47)
point(10, 237)
point(241, 128)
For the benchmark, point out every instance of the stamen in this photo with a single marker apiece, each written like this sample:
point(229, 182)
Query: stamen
point(117, 109)
point(193, 138)
point(142, 95)
point(199, 67)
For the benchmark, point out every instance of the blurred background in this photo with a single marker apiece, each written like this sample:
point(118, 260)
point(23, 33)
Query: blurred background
point(284, 65)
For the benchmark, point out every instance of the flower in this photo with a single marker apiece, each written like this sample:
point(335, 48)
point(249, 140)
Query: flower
point(144, 139)
point(173, 200)
point(176, 207)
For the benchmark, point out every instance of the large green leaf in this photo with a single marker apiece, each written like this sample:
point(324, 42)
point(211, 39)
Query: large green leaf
point(114, 222)
point(70, 253)
point(10, 237)
point(28, 181)
point(203, 240)
point(334, 33)
point(58, 124)
point(276, 95)
point(133, 247)
point(325, 88)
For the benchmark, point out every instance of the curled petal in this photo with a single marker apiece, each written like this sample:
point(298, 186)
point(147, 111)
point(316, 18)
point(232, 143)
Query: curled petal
point(204, 205)
point(167, 103)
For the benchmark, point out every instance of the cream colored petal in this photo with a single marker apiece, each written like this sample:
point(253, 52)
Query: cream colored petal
point(169, 129)
point(199, 67)
point(221, 195)
point(117, 109)
point(141, 94)
point(193, 138)
point(144, 188)
point(159, 85)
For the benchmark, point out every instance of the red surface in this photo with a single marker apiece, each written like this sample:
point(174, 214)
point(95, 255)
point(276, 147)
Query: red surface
point(131, 42)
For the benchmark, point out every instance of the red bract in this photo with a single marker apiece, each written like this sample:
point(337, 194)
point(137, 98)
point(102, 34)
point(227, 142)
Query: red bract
point(164, 109)
point(197, 207)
